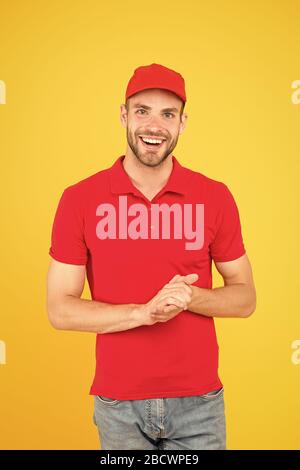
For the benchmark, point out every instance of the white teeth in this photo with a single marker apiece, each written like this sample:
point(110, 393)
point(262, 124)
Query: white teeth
point(151, 141)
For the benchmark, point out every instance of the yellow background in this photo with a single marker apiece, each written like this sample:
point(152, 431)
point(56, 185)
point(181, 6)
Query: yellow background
point(66, 65)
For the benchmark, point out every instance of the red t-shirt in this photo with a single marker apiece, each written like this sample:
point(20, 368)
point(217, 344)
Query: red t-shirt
point(132, 247)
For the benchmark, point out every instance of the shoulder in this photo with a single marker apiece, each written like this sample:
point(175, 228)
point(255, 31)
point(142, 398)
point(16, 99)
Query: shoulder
point(88, 186)
point(213, 187)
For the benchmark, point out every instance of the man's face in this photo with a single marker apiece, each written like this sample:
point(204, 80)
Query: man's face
point(153, 114)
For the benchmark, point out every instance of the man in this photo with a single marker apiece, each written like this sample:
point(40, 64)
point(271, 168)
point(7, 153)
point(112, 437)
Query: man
point(145, 231)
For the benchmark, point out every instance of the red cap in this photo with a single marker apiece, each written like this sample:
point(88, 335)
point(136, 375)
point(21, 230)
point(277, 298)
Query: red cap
point(156, 76)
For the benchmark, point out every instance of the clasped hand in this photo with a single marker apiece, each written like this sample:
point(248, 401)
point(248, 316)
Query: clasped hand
point(174, 297)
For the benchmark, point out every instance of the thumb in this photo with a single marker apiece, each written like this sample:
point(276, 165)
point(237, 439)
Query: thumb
point(190, 278)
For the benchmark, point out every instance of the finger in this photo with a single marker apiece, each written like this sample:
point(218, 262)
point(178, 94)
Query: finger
point(170, 308)
point(175, 301)
point(182, 294)
point(171, 297)
point(191, 278)
point(179, 285)
point(165, 310)
point(174, 278)
point(169, 300)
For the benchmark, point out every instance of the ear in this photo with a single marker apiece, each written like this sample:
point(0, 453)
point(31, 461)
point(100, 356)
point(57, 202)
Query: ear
point(123, 115)
point(183, 121)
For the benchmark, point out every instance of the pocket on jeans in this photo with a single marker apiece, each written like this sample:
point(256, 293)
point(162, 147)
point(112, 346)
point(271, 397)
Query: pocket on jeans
point(107, 400)
point(209, 396)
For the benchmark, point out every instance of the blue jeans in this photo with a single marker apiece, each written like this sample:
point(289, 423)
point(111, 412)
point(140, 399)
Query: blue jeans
point(194, 422)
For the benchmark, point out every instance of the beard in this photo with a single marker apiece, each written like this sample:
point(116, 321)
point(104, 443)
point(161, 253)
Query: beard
point(150, 157)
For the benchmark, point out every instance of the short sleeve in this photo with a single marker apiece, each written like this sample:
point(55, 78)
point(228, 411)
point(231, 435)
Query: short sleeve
point(227, 244)
point(67, 237)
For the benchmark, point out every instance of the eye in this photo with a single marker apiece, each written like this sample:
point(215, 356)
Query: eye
point(144, 111)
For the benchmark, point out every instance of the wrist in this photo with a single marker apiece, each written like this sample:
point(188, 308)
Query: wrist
point(195, 295)
point(137, 314)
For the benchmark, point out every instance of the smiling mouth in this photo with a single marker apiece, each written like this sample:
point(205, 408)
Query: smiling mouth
point(154, 145)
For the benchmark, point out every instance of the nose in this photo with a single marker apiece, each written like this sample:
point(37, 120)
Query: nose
point(154, 123)
point(155, 130)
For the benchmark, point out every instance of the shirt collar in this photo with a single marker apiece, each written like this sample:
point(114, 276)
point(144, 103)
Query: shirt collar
point(120, 182)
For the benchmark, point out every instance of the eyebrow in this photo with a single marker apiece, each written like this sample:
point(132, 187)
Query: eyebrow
point(139, 105)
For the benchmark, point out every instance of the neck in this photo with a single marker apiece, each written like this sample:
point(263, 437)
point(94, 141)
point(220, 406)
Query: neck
point(148, 178)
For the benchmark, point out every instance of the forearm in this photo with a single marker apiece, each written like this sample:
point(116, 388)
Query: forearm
point(235, 300)
point(76, 314)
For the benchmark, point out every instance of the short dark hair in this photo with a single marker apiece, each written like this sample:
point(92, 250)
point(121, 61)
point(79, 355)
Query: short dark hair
point(182, 108)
